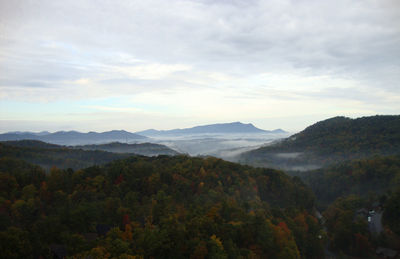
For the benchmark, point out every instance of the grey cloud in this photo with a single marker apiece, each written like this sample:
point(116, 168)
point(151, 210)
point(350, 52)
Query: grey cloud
point(25, 83)
point(348, 39)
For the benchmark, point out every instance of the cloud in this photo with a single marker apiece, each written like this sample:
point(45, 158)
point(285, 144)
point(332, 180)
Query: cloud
point(151, 71)
point(215, 53)
point(114, 109)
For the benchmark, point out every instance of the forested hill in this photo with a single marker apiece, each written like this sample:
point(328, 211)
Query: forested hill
point(366, 135)
point(145, 149)
point(332, 140)
point(157, 207)
point(360, 201)
point(377, 175)
point(29, 143)
point(49, 155)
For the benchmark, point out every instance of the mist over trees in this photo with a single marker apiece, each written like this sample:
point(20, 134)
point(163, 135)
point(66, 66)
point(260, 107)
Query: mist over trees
point(330, 141)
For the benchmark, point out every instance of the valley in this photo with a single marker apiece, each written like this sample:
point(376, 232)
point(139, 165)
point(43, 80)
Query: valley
point(199, 129)
point(340, 167)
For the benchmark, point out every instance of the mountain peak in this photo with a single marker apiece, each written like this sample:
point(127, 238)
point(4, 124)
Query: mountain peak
point(236, 127)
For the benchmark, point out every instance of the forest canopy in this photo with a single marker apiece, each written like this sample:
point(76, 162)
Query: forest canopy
point(170, 207)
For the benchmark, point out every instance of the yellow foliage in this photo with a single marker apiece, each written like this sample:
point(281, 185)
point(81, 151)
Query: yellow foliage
point(217, 241)
point(202, 172)
point(213, 212)
point(235, 223)
point(127, 235)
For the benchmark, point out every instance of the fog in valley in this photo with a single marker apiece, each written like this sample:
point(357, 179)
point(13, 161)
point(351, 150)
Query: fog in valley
point(226, 146)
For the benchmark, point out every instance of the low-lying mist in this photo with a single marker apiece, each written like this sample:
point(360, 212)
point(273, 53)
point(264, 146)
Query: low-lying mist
point(225, 146)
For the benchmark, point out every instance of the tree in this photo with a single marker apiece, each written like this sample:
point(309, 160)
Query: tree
point(215, 248)
point(391, 213)
point(14, 243)
point(29, 192)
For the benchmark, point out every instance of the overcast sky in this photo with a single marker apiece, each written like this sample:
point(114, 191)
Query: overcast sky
point(134, 65)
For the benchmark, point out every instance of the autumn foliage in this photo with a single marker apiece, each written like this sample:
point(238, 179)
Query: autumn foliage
point(164, 207)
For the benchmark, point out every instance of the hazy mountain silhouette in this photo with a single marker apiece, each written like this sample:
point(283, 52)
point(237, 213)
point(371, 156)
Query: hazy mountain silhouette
point(220, 128)
point(74, 137)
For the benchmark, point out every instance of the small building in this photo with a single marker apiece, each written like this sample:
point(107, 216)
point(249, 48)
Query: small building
point(386, 252)
point(319, 216)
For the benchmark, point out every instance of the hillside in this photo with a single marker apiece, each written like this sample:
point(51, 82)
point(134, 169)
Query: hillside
point(360, 203)
point(164, 207)
point(74, 137)
point(330, 141)
point(221, 128)
point(373, 176)
point(29, 143)
point(144, 149)
point(49, 155)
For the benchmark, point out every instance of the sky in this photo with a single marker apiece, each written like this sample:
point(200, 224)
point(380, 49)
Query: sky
point(134, 65)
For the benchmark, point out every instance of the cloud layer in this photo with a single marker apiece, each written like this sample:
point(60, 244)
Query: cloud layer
point(180, 63)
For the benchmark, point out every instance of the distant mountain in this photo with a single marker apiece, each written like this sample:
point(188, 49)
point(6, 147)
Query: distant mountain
point(29, 143)
point(278, 131)
point(221, 128)
point(144, 149)
point(330, 141)
point(27, 132)
point(74, 137)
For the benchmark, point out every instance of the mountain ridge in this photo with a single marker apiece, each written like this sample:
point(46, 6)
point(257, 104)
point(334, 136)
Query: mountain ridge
point(329, 141)
point(217, 128)
point(144, 149)
point(48, 155)
point(75, 137)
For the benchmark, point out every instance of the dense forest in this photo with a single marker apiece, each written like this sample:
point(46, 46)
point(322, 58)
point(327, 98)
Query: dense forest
point(353, 168)
point(351, 230)
point(58, 201)
point(163, 207)
point(348, 193)
point(366, 177)
point(49, 155)
point(331, 141)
